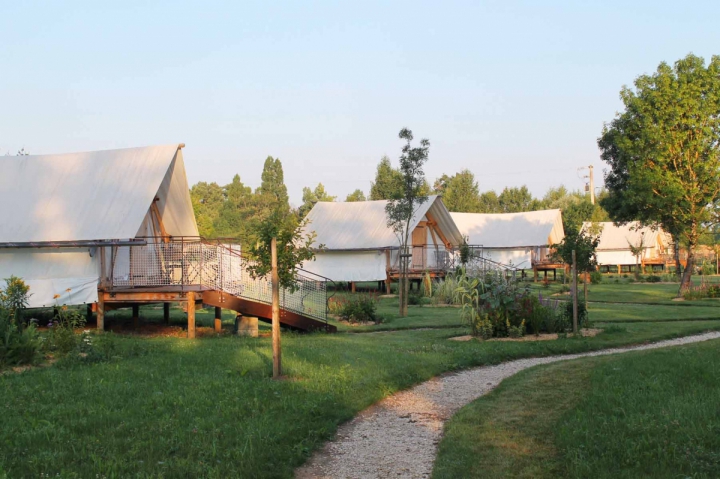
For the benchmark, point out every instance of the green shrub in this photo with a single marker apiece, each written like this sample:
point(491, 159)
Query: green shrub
point(653, 279)
point(61, 337)
point(416, 298)
point(18, 345)
point(596, 277)
point(567, 313)
point(360, 308)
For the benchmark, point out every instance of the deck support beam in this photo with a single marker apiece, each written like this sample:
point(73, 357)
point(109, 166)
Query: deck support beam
point(218, 319)
point(166, 313)
point(191, 314)
point(101, 312)
point(136, 315)
point(352, 286)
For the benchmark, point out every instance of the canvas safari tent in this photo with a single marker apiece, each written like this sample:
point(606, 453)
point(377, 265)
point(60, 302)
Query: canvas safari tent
point(355, 243)
point(614, 247)
point(61, 209)
point(521, 240)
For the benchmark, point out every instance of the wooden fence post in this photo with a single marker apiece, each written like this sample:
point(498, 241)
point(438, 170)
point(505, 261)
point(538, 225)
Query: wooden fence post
point(277, 363)
point(575, 293)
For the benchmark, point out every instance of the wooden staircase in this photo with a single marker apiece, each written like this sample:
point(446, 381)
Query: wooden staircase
point(263, 312)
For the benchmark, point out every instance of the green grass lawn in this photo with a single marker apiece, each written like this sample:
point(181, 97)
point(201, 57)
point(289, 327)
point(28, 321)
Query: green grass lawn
point(613, 312)
point(169, 407)
point(645, 414)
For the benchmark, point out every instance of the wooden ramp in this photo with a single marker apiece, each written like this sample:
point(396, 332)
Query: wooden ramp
point(263, 312)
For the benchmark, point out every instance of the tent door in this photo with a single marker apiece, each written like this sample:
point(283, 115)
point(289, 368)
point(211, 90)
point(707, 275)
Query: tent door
point(419, 250)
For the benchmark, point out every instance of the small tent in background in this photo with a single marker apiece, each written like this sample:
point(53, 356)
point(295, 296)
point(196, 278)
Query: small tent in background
point(614, 247)
point(357, 245)
point(522, 240)
point(60, 210)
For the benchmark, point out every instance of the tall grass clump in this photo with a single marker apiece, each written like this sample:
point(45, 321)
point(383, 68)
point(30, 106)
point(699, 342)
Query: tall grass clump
point(19, 343)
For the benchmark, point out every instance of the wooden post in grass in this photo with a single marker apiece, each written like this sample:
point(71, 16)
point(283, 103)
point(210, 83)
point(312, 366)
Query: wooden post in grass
point(101, 311)
point(191, 314)
point(277, 364)
point(575, 293)
point(218, 319)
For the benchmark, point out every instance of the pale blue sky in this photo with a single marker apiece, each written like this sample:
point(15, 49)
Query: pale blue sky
point(515, 91)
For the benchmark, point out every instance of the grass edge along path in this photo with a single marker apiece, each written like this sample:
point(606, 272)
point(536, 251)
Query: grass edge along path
point(398, 436)
point(645, 414)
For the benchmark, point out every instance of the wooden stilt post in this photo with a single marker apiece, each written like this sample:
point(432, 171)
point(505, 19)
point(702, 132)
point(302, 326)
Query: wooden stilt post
point(535, 275)
point(352, 287)
point(387, 286)
point(166, 313)
point(88, 313)
point(218, 319)
point(101, 311)
point(136, 315)
point(277, 360)
point(191, 314)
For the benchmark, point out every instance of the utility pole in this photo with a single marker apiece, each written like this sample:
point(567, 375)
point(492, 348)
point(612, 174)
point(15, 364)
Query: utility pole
point(592, 185)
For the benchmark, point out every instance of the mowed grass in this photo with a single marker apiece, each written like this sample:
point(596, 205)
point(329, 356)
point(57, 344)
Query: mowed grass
point(208, 407)
point(613, 312)
point(645, 414)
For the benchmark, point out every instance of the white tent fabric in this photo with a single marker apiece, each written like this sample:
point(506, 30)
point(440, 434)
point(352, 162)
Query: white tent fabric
point(363, 224)
point(80, 197)
point(355, 235)
point(614, 246)
point(511, 230)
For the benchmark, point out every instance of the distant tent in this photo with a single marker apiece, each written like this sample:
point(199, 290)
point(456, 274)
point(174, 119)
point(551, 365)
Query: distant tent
point(614, 247)
point(355, 243)
point(60, 209)
point(522, 239)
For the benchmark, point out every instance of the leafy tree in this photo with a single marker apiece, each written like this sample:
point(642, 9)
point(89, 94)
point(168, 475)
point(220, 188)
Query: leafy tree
point(236, 212)
point(15, 298)
point(489, 203)
point(516, 200)
point(207, 200)
point(388, 182)
point(461, 193)
point(310, 197)
point(400, 211)
point(356, 195)
point(576, 207)
point(294, 247)
point(440, 184)
point(585, 244)
point(664, 152)
point(272, 188)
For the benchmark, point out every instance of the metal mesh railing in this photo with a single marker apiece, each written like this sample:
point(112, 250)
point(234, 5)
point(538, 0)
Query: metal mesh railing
point(219, 266)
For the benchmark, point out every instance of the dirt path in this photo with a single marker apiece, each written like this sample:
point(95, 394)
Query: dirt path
point(398, 437)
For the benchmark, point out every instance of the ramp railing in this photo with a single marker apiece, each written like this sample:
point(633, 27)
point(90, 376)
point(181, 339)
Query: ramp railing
point(187, 263)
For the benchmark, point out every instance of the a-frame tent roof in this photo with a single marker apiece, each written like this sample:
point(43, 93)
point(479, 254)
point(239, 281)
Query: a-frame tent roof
point(362, 225)
point(95, 195)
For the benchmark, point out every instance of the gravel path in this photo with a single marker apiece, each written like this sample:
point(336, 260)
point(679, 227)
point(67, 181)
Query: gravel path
point(398, 437)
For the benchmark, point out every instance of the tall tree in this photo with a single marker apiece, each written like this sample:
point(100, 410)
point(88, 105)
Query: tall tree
point(272, 188)
point(400, 211)
point(461, 193)
point(664, 152)
point(388, 184)
point(489, 203)
point(236, 212)
point(356, 195)
point(310, 197)
point(207, 200)
point(516, 200)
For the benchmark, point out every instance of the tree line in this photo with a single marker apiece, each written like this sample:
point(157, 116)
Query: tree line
point(228, 211)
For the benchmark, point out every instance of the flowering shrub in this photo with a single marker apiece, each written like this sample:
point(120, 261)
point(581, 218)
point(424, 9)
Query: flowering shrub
point(360, 308)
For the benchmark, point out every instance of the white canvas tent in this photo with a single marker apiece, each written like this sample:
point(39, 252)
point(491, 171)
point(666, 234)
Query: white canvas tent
point(614, 246)
point(59, 208)
point(357, 244)
point(517, 239)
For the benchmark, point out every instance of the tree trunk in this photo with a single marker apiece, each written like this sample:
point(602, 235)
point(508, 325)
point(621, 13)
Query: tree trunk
point(687, 274)
point(676, 253)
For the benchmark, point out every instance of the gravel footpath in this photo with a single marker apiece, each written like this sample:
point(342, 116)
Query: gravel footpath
point(398, 437)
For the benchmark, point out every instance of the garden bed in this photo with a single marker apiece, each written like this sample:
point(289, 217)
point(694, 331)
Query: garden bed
point(585, 333)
